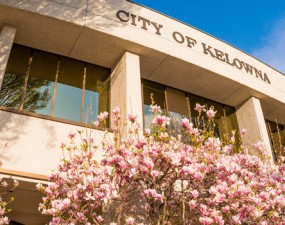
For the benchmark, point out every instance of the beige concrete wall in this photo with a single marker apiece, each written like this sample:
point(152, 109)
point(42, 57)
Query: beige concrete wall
point(6, 41)
point(126, 87)
point(250, 117)
point(163, 59)
point(33, 143)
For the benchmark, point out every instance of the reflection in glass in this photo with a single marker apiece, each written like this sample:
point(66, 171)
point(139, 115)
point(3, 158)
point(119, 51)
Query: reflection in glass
point(219, 122)
point(38, 97)
point(96, 97)
point(177, 109)
point(44, 83)
point(69, 90)
point(193, 100)
point(152, 94)
point(277, 136)
point(91, 102)
point(231, 123)
point(181, 105)
point(68, 102)
point(13, 82)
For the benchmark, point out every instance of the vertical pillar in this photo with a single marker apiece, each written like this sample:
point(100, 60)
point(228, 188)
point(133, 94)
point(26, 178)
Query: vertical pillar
point(250, 117)
point(126, 87)
point(7, 36)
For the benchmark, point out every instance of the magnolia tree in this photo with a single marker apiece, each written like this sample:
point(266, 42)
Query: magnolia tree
point(4, 188)
point(151, 177)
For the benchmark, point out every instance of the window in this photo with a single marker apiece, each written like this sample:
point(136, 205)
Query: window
point(277, 137)
point(176, 108)
point(178, 105)
point(55, 86)
point(153, 94)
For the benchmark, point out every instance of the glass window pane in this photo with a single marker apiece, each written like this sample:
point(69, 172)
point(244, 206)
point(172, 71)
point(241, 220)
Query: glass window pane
point(176, 102)
point(219, 118)
point(193, 99)
point(282, 134)
point(96, 95)
point(69, 90)
point(155, 92)
point(40, 86)
point(11, 90)
point(230, 124)
point(177, 109)
point(277, 137)
point(217, 107)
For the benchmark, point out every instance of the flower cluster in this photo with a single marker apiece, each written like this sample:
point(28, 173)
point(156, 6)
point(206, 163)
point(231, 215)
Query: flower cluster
point(153, 177)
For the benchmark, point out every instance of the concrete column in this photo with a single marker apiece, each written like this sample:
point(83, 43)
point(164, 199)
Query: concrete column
point(126, 87)
point(7, 36)
point(250, 116)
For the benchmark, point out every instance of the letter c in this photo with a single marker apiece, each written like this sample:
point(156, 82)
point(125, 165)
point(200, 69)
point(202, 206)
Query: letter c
point(119, 15)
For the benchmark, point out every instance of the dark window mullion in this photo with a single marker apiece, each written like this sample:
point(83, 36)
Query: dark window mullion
point(83, 93)
point(24, 90)
point(55, 85)
point(142, 93)
point(166, 102)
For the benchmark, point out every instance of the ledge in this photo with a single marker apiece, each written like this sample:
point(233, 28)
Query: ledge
point(23, 174)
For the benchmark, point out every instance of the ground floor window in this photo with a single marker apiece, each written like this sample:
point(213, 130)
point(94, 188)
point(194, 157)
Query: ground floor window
point(277, 137)
point(179, 104)
point(55, 86)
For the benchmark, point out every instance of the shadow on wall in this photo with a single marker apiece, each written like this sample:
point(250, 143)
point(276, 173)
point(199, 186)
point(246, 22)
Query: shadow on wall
point(78, 11)
point(12, 126)
point(98, 9)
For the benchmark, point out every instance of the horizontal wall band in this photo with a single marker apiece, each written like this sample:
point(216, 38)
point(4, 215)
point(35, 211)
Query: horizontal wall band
point(55, 119)
point(23, 174)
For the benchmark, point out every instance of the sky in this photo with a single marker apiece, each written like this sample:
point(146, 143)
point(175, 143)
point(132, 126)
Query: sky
point(254, 26)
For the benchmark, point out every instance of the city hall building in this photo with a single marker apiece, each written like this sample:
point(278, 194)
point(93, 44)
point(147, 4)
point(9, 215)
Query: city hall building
point(64, 61)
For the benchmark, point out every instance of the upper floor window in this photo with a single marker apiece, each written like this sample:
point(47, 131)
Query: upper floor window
point(277, 137)
point(178, 105)
point(56, 86)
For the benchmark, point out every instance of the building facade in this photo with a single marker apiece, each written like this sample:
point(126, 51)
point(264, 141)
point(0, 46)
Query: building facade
point(64, 61)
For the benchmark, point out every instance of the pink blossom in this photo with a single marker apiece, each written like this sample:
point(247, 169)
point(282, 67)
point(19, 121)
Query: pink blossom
point(198, 176)
point(100, 219)
point(259, 147)
point(236, 219)
point(96, 123)
point(130, 220)
point(116, 111)
point(148, 163)
point(195, 193)
point(89, 196)
point(206, 220)
point(192, 204)
point(199, 107)
point(71, 135)
point(147, 132)
point(243, 131)
point(141, 170)
point(186, 124)
point(102, 116)
point(161, 120)
point(132, 118)
point(211, 113)
point(155, 109)
point(154, 173)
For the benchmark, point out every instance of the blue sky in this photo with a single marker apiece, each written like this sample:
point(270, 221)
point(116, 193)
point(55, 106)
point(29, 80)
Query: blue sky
point(254, 26)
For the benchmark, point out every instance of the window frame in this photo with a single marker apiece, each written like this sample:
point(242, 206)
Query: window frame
point(20, 109)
